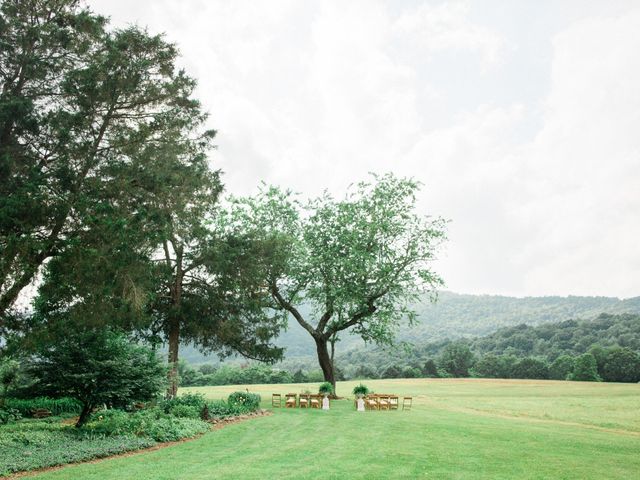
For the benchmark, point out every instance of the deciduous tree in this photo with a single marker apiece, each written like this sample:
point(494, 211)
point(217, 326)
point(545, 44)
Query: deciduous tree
point(358, 262)
point(622, 365)
point(586, 369)
point(457, 359)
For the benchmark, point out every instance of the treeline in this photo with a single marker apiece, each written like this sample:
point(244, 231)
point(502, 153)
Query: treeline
point(606, 348)
point(456, 316)
point(602, 349)
point(210, 375)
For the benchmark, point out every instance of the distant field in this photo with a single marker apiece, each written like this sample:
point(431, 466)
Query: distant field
point(492, 429)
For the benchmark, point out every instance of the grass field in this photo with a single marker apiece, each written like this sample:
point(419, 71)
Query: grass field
point(480, 429)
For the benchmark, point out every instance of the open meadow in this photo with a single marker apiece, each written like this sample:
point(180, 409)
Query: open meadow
point(473, 428)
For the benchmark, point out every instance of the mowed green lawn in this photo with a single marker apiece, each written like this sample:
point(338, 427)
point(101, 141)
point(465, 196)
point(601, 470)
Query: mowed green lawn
point(456, 429)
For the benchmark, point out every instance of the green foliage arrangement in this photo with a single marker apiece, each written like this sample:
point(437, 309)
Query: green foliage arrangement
point(360, 389)
point(326, 388)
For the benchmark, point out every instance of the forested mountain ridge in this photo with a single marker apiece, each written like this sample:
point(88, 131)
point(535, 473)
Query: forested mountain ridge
point(570, 337)
point(547, 341)
point(456, 316)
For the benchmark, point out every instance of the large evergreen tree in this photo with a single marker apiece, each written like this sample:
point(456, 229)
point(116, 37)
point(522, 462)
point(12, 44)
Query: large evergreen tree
point(110, 194)
point(85, 115)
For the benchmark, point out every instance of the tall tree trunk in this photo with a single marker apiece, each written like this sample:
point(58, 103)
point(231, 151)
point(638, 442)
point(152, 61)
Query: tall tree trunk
point(325, 361)
point(174, 325)
point(84, 415)
point(174, 343)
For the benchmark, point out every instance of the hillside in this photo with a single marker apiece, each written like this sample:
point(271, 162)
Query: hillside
point(459, 316)
point(547, 341)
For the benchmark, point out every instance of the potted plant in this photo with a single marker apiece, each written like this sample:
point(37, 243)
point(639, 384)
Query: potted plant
point(325, 389)
point(360, 390)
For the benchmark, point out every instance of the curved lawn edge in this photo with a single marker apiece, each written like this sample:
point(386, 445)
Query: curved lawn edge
point(216, 424)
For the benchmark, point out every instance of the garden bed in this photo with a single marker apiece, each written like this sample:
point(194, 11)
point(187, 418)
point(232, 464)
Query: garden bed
point(94, 450)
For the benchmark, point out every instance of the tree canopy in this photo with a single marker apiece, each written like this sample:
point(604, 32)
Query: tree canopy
point(358, 262)
point(92, 122)
point(108, 197)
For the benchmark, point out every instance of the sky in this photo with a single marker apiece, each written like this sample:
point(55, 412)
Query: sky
point(520, 118)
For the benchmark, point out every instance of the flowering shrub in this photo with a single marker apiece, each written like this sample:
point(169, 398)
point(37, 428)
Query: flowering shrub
point(246, 401)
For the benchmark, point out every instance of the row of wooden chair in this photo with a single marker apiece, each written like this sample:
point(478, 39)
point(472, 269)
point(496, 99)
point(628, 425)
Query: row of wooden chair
point(381, 401)
point(293, 400)
point(374, 401)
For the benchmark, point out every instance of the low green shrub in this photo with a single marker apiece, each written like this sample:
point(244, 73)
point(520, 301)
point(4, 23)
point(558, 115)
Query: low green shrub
point(57, 406)
point(153, 423)
point(9, 415)
point(195, 400)
point(28, 445)
point(185, 411)
point(221, 409)
point(249, 402)
point(171, 429)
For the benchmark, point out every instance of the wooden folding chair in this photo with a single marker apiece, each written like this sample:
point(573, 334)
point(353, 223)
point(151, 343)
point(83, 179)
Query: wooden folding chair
point(290, 401)
point(315, 401)
point(371, 402)
point(304, 401)
point(393, 402)
point(276, 400)
point(406, 403)
point(383, 402)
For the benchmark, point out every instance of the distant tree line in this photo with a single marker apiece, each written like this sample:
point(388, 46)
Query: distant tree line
point(605, 349)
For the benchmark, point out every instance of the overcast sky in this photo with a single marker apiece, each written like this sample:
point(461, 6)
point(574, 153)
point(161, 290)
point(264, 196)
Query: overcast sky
point(522, 119)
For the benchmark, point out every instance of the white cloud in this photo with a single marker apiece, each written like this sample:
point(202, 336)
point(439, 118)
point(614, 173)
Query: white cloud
point(583, 168)
point(445, 27)
point(541, 180)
